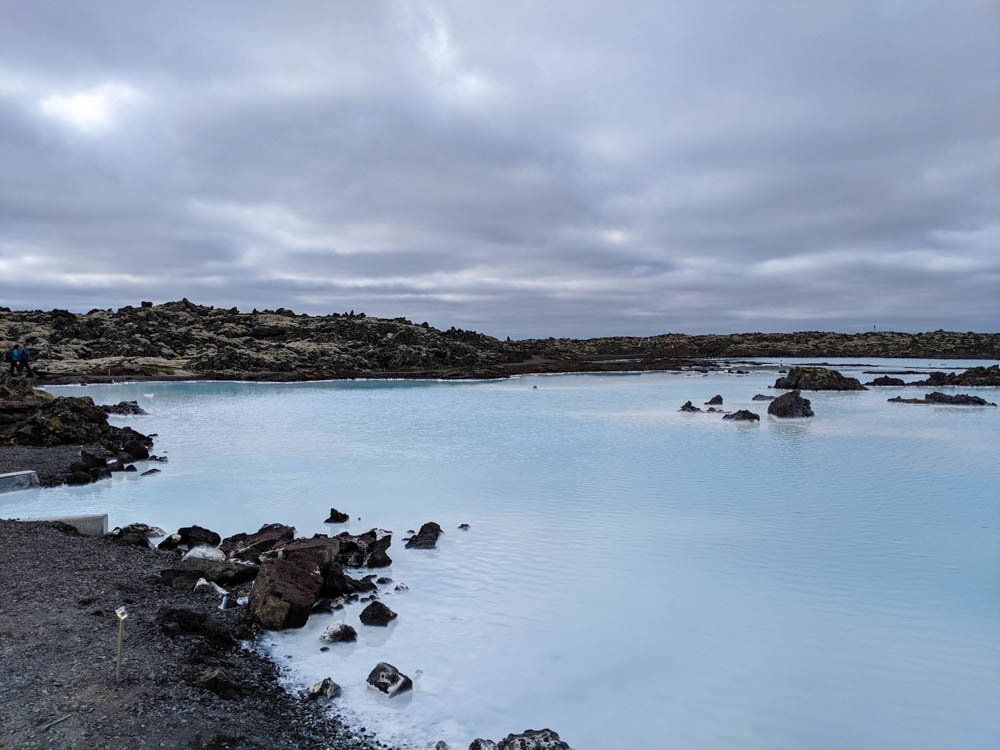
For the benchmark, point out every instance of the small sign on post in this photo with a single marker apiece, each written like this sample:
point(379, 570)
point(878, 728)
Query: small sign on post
point(122, 615)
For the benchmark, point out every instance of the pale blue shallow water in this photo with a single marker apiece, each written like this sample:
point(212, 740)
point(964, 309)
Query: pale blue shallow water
point(634, 577)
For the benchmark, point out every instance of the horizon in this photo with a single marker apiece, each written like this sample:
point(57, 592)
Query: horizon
point(501, 336)
point(573, 169)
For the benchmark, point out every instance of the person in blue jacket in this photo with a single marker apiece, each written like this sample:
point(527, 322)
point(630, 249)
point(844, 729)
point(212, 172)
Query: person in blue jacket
point(24, 360)
point(11, 357)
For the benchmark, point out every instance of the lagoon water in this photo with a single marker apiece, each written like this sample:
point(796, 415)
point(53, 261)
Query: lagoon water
point(633, 576)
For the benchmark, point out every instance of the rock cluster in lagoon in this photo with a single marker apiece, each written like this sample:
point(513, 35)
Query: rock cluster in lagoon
point(885, 380)
point(959, 399)
point(743, 415)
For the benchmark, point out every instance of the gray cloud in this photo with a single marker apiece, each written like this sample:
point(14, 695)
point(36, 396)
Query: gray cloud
point(564, 168)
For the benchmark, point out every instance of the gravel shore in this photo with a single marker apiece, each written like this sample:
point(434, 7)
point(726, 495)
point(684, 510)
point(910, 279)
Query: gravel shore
point(188, 681)
point(50, 463)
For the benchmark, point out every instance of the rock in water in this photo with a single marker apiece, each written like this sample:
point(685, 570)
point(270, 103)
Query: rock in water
point(762, 397)
point(149, 472)
point(789, 405)
point(973, 376)
point(533, 739)
point(368, 549)
point(426, 538)
point(743, 416)
point(325, 689)
point(481, 744)
point(337, 517)
point(688, 406)
point(959, 399)
point(388, 680)
point(377, 613)
point(714, 401)
point(339, 632)
point(125, 408)
point(886, 380)
point(817, 379)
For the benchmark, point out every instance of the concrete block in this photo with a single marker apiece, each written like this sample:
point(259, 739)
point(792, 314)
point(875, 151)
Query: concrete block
point(96, 525)
point(18, 480)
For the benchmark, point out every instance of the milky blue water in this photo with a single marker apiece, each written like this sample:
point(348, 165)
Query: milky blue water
point(633, 576)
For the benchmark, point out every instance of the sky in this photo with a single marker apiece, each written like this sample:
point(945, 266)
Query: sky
point(521, 168)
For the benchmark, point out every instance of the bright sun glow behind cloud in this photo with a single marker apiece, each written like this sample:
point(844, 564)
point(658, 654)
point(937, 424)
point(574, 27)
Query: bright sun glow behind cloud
point(89, 110)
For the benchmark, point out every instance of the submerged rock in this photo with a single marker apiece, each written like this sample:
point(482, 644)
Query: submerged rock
point(959, 399)
point(426, 538)
point(337, 517)
point(790, 405)
point(817, 379)
point(149, 472)
point(378, 614)
point(714, 401)
point(388, 680)
point(742, 416)
point(762, 397)
point(464, 527)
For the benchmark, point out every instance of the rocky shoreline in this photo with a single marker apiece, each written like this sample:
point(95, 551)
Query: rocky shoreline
point(65, 439)
point(183, 341)
point(195, 604)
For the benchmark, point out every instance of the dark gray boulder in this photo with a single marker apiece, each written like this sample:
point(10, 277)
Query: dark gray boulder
point(337, 517)
point(886, 380)
point(325, 689)
point(817, 379)
point(762, 397)
point(689, 407)
point(533, 739)
point(714, 401)
point(426, 538)
point(388, 680)
point(742, 416)
point(378, 614)
point(790, 405)
point(339, 632)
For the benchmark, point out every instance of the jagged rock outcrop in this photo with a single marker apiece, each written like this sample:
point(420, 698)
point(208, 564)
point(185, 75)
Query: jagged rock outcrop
point(977, 376)
point(959, 399)
point(337, 517)
point(426, 538)
point(817, 379)
point(790, 405)
point(688, 407)
point(530, 739)
point(714, 401)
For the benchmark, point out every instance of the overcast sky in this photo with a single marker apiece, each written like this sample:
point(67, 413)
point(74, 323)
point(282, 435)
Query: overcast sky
point(522, 168)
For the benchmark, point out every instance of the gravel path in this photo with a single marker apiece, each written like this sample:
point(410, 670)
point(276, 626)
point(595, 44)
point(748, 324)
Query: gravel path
point(186, 681)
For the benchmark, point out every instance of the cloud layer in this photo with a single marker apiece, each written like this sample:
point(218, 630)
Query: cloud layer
point(561, 168)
